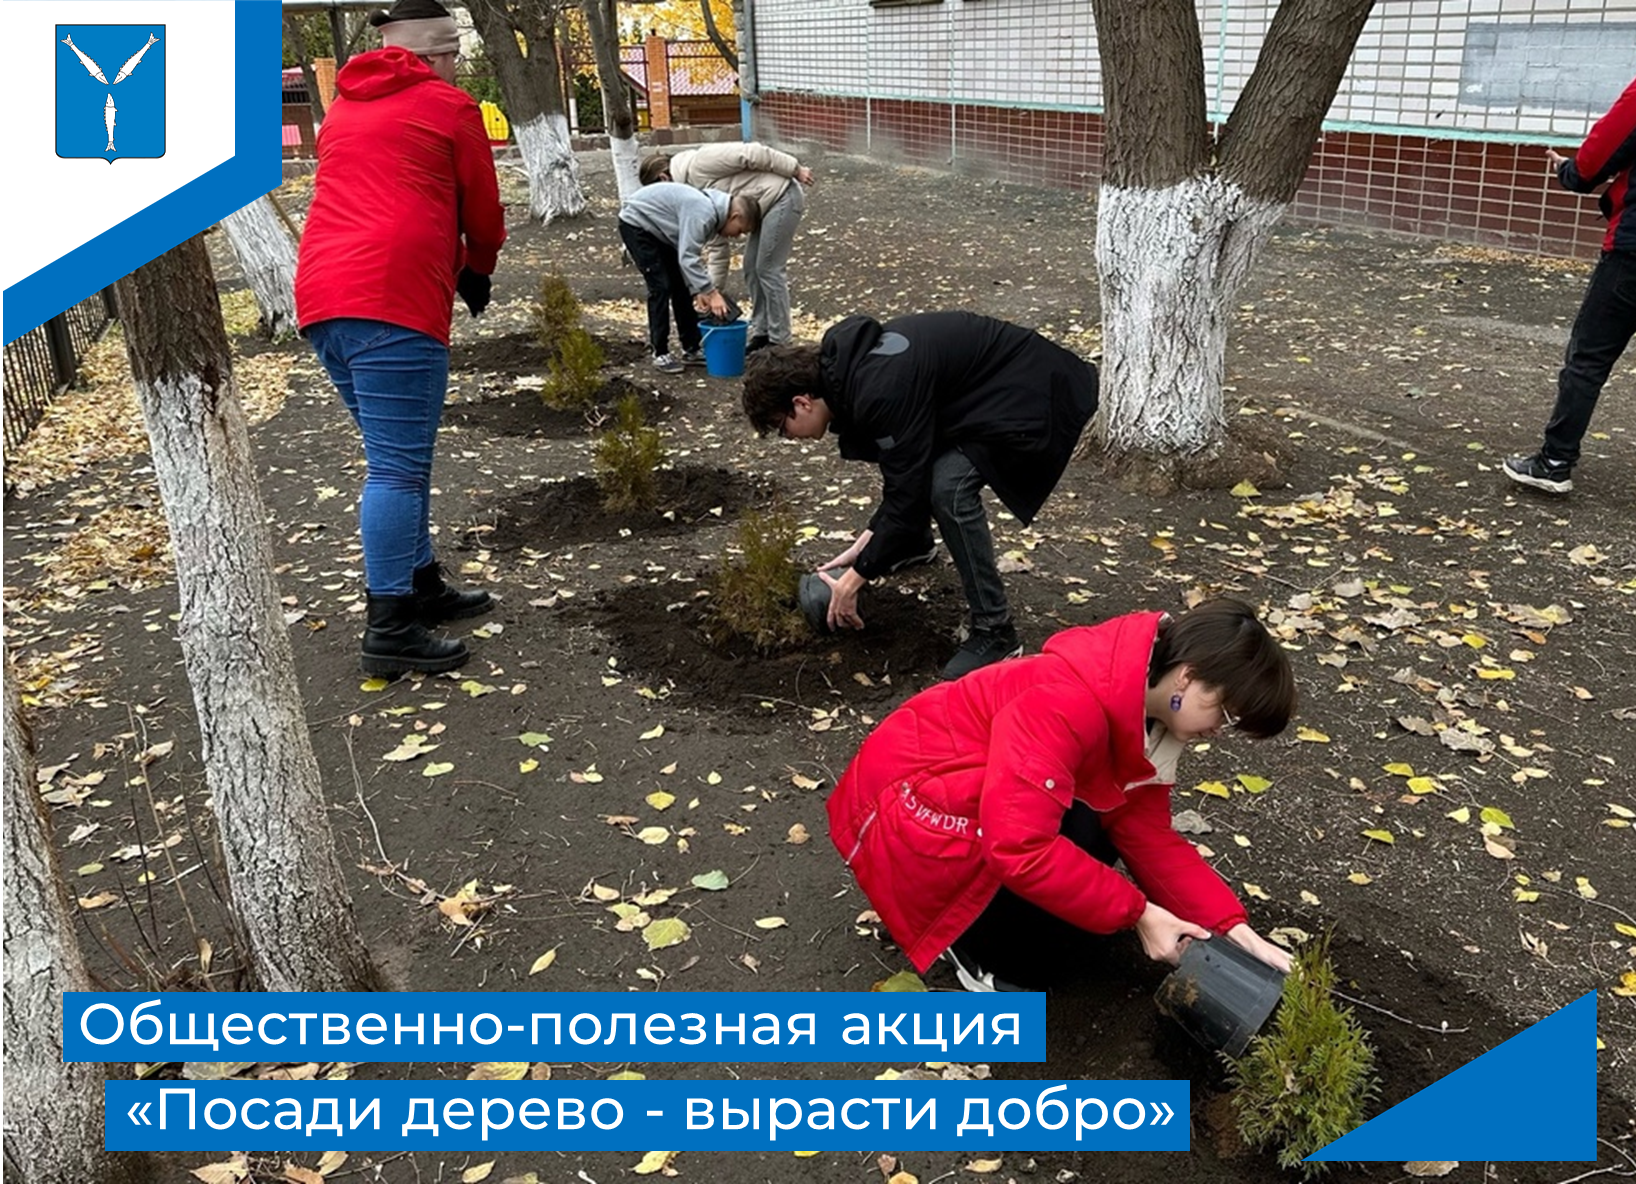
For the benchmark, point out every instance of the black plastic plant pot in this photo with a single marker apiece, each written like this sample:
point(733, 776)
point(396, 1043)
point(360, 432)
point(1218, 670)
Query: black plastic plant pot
point(813, 597)
point(1221, 994)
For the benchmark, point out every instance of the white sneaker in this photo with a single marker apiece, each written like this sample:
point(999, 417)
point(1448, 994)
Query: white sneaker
point(974, 978)
point(668, 363)
point(692, 357)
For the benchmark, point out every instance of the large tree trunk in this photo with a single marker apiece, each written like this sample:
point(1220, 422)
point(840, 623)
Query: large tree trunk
point(532, 87)
point(54, 1111)
point(1179, 230)
point(602, 21)
point(288, 892)
point(267, 257)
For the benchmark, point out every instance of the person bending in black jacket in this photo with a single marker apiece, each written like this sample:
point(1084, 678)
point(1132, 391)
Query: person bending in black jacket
point(945, 403)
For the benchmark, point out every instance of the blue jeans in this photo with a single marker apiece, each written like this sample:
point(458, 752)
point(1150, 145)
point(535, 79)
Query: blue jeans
point(957, 504)
point(392, 381)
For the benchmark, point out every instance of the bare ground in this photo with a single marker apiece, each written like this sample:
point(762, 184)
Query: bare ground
point(1439, 619)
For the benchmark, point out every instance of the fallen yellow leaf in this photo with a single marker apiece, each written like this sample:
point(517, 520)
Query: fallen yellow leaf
point(653, 1161)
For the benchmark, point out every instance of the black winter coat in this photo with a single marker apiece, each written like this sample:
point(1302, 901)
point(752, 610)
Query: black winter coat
point(901, 394)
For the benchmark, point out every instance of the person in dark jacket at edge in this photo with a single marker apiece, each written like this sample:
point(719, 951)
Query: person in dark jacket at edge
point(1607, 316)
point(945, 403)
point(405, 213)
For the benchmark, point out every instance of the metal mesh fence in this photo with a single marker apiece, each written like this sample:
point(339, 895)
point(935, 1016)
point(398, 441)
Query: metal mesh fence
point(42, 363)
point(1436, 128)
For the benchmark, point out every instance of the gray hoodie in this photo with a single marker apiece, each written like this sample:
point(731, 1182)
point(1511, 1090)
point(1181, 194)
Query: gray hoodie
point(685, 217)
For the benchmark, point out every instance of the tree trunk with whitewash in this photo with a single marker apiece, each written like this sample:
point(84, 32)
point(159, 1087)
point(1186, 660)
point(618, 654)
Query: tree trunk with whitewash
point(1181, 222)
point(267, 258)
point(554, 187)
point(1170, 262)
point(602, 20)
point(54, 1111)
point(532, 89)
point(289, 896)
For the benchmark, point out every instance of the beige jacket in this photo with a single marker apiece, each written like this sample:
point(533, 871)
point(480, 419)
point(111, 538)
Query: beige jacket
point(751, 169)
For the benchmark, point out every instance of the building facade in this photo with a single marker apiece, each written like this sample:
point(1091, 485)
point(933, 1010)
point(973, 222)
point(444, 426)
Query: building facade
point(1439, 127)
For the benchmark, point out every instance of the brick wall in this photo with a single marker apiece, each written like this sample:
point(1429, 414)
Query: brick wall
point(1485, 193)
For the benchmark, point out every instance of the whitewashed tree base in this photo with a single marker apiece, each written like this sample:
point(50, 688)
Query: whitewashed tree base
point(54, 1111)
point(1170, 263)
point(267, 258)
point(627, 162)
point(288, 889)
point(554, 189)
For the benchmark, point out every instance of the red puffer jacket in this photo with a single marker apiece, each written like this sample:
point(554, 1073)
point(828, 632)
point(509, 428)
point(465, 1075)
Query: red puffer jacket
point(963, 789)
point(405, 174)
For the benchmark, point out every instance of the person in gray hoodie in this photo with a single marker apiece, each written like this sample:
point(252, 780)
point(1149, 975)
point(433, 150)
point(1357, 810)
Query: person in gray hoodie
point(777, 181)
point(665, 228)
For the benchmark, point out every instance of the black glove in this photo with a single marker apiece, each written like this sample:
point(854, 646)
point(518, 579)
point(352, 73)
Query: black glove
point(474, 289)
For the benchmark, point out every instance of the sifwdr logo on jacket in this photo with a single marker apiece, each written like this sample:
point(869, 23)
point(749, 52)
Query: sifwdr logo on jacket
point(110, 91)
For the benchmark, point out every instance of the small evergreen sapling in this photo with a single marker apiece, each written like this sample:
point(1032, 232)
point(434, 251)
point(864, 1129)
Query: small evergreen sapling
point(755, 593)
point(556, 312)
point(628, 456)
point(574, 376)
point(1311, 1079)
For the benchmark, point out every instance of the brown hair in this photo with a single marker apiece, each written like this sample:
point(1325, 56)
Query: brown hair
point(772, 378)
point(654, 168)
point(1226, 647)
point(749, 211)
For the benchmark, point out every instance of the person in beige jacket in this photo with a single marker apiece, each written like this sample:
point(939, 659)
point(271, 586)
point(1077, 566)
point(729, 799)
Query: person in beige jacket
point(776, 181)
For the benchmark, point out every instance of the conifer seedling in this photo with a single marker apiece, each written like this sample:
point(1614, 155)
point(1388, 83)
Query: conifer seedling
point(755, 590)
point(628, 457)
point(1310, 1078)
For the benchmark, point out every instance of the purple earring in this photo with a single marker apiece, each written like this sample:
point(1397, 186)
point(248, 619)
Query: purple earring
point(1176, 702)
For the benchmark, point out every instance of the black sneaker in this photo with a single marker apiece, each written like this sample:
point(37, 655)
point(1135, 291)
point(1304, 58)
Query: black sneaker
point(1540, 472)
point(983, 648)
point(759, 341)
point(973, 977)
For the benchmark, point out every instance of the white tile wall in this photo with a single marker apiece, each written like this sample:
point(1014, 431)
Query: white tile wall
point(1405, 72)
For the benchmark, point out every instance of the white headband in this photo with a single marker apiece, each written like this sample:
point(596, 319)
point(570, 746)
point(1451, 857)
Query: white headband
point(425, 35)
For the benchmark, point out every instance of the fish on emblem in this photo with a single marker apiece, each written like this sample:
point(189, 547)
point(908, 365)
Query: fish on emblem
point(108, 110)
point(91, 67)
point(131, 62)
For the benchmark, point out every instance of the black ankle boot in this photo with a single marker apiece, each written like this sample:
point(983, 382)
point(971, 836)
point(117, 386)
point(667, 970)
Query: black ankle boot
point(436, 602)
point(397, 642)
point(759, 341)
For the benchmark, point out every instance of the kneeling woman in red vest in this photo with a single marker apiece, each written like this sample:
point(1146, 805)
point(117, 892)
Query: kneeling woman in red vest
point(983, 818)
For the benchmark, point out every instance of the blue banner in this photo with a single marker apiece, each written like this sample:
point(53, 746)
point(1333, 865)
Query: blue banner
point(620, 1116)
point(693, 1026)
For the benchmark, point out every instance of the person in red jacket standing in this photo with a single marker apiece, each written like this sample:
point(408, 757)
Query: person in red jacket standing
point(1607, 316)
point(405, 213)
point(983, 817)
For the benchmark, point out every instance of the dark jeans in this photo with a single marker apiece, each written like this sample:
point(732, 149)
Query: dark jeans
point(1602, 330)
point(667, 289)
point(1021, 942)
point(957, 505)
point(392, 381)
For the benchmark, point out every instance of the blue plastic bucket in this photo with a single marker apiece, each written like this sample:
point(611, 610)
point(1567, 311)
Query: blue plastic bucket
point(724, 348)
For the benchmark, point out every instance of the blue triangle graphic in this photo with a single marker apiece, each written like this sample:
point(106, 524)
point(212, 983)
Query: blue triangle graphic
point(1532, 1098)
